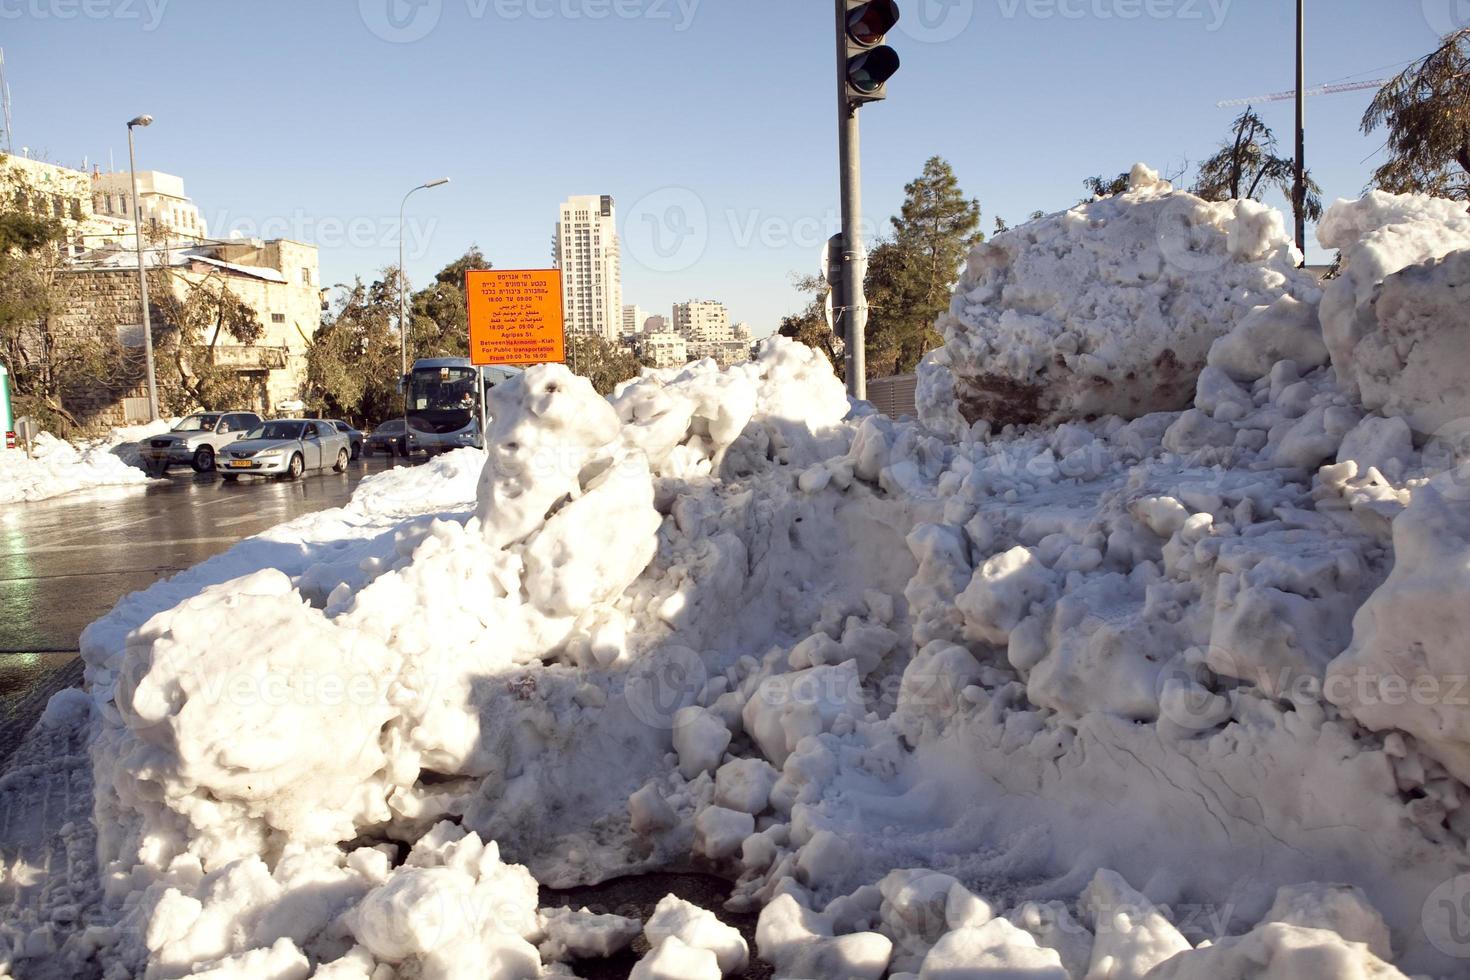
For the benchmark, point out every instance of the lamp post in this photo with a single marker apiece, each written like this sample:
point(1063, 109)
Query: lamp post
point(1299, 177)
point(143, 121)
point(403, 303)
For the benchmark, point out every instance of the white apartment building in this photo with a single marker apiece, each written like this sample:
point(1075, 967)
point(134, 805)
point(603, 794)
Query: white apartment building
point(702, 321)
point(634, 317)
point(167, 210)
point(95, 207)
point(664, 350)
point(591, 268)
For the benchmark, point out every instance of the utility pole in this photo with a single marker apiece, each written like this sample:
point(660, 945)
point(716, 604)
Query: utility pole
point(403, 304)
point(1299, 190)
point(864, 65)
point(142, 122)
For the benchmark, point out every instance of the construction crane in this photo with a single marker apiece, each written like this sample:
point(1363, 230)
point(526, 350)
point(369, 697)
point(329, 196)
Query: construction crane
point(1331, 89)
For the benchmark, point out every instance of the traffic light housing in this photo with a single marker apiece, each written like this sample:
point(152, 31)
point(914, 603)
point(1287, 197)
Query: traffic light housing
point(868, 62)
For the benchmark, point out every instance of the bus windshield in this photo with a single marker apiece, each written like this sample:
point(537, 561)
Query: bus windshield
point(447, 389)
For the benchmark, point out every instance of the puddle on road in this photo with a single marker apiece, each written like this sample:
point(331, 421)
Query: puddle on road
point(635, 898)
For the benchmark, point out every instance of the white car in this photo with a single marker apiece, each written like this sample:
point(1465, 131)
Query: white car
point(286, 447)
point(197, 440)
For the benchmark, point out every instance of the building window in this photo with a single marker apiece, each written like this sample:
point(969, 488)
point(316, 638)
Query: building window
point(278, 318)
point(306, 276)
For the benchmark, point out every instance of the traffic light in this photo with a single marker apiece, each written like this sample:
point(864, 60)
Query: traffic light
point(869, 63)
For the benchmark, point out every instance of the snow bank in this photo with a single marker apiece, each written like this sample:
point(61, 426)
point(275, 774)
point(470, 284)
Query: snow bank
point(1109, 308)
point(1395, 318)
point(59, 467)
point(1048, 701)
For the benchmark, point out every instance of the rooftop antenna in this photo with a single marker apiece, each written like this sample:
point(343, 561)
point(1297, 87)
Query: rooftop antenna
point(5, 102)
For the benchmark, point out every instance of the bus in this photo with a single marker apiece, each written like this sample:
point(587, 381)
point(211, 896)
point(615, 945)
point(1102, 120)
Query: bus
point(446, 401)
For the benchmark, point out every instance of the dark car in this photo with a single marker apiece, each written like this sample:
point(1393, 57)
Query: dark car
point(353, 436)
point(388, 438)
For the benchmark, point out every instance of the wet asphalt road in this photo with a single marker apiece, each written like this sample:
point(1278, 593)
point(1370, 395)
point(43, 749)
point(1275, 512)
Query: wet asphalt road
point(65, 562)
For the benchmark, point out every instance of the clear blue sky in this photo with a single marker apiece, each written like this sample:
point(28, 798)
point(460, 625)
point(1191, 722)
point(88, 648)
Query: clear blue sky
point(709, 117)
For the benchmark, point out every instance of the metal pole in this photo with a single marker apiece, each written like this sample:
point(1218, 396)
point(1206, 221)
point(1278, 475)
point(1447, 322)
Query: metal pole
point(143, 281)
point(1299, 191)
point(851, 308)
point(403, 321)
point(403, 305)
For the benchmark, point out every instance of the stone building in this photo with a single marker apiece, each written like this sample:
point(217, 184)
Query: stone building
point(94, 208)
point(277, 279)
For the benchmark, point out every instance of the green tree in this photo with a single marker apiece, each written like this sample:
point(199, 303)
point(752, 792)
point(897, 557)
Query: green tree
point(600, 362)
point(47, 361)
point(1426, 110)
point(352, 364)
point(440, 320)
point(810, 325)
point(912, 273)
point(1105, 186)
point(1247, 165)
point(186, 347)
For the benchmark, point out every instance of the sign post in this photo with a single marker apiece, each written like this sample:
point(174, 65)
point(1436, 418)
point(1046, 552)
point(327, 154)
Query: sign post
point(27, 429)
point(516, 317)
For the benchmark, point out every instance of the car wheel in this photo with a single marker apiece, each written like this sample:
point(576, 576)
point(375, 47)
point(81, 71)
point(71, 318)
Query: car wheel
point(356, 450)
point(204, 460)
point(342, 458)
point(298, 467)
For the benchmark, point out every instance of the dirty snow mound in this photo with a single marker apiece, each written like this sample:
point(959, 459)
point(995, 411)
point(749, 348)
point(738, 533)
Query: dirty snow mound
point(1109, 308)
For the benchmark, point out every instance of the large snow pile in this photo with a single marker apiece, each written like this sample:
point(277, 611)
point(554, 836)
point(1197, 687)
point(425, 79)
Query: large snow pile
point(59, 467)
point(1395, 319)
point(1106, 309)
point(1088, 701)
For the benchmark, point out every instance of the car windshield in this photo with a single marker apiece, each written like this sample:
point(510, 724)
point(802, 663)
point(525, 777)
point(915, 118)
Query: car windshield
point(342, 426)
point(276, 430)
point(391, 427)
point(198, 423)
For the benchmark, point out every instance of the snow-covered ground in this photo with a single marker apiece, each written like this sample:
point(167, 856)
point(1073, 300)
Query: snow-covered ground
point(1177, 692)
point(59, 467)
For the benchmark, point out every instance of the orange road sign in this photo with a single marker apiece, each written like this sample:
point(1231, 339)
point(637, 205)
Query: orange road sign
point(515, 317)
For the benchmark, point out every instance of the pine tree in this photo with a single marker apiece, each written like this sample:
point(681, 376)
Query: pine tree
point(911, 274)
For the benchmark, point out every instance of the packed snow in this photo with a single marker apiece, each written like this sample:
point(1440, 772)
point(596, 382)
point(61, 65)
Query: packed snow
point(56, 467)
point(1175, 691)
point(1107, 309)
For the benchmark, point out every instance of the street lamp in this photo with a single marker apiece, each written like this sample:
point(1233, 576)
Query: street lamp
point(403, 303)
point(143, 122)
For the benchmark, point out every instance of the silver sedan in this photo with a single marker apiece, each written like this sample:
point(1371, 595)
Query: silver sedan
point(286, 447)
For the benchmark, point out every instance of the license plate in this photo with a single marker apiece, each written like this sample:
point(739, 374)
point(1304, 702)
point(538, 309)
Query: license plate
point(239, 464)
